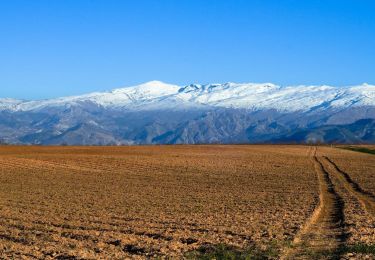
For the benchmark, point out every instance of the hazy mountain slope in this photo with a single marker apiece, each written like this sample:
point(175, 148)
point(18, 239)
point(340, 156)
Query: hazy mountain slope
point(362, 131)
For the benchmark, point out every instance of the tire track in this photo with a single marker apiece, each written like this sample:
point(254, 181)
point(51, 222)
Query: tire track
point(367, 199)
point(324, 233)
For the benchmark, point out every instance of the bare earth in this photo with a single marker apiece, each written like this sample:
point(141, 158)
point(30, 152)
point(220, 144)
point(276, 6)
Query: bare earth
point(170, 201)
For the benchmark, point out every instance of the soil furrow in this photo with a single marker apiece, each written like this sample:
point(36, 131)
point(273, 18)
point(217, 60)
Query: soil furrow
point(324, 233)
point(168, 202)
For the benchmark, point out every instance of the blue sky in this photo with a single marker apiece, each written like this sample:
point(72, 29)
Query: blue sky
point(68, 47)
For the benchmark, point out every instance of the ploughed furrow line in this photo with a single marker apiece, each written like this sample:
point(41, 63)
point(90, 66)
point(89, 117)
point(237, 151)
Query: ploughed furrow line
point(54, 165)
point(365, 198)
point(35, 164)
point(324, 233)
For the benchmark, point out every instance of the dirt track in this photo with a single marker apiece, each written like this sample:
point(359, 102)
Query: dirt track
point(324, 233)
point(342, 201)
point(367, 199)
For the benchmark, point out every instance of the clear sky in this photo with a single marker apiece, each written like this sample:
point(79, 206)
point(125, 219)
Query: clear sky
point(68, 47)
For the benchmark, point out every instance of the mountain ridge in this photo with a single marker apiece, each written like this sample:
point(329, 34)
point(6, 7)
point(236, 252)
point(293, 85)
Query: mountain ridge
point(161, 113)
point(229, 95)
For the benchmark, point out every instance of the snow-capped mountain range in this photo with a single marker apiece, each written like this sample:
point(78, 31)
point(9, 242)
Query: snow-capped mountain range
point(156, 95)
point(157, 113)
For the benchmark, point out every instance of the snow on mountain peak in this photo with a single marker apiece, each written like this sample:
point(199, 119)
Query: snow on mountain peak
point(149, 89)
point(159, 95)
point(9, 103)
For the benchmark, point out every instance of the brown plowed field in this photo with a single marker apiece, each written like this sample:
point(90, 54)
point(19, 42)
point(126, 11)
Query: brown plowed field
point(184, 201)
